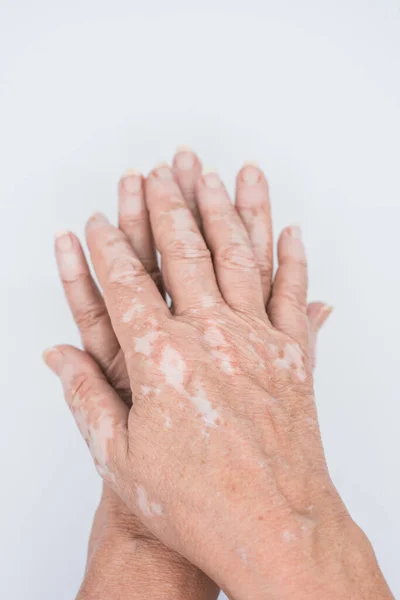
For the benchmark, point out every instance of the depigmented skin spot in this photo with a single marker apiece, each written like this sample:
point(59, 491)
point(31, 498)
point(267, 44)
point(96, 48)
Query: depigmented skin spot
point(289, 358)
point(214, 337)
point(173, 367)
point(97, 432)
point(144, 344)
point(288, 536)
point(149, 509)
point(204, 407)
point(136, 309)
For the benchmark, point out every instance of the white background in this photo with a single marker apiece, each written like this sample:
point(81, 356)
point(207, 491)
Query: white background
point(309, 89)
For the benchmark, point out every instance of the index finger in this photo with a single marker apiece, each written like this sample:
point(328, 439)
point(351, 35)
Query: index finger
point(132, 298)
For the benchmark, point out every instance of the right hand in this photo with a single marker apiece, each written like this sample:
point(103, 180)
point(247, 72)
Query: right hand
point(288, 333)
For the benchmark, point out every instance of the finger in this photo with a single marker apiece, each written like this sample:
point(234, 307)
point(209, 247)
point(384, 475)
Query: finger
point(288, 304)
point(132, 298)
point(253, 206)
point(85, 301)
point(187, 170)
point(235, 266)
point(100, 414)
point(186, 264)
point(317, 313)
point(134, 221)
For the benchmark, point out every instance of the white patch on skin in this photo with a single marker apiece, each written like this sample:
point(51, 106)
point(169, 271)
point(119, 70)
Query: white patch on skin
point(207, 301)
point(225, 362)
point(215, 338)
point(144, 344)
point(131, 313)
point(292, 360)
point(204, 407)
point(173, 367)
point(149, 509)
point(168, 422)
point(312, 423)
point(146, 390)
point(97, 436)
point(271, 401)
point(288, 536)
point(242, 552)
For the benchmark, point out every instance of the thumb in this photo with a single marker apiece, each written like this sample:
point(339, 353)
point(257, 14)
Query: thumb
point(317, 313)
point(101, 415)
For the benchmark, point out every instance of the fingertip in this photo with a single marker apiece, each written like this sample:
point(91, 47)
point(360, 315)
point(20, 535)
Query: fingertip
point(63, 240)
point(318, 313)
point(324, 314)
point(250, 174)
point(131, 181)
point(53, 358)
point(184, 159)
point(290, 244)
point(162, 171)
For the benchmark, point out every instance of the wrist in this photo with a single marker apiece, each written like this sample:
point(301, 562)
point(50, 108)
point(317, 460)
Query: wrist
point(337, 563)
point(344, 566)
point(122, 566)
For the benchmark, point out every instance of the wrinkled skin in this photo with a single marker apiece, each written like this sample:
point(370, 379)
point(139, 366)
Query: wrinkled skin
point(223, 423)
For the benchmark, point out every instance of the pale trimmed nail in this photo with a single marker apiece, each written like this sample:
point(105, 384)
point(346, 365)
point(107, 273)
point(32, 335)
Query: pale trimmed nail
point(163, 171)
point(53, 359)
point(132, 181)
point(63, 240)
point(211, 178)
point(184, 158)
point(251, 174)
point(295, 232)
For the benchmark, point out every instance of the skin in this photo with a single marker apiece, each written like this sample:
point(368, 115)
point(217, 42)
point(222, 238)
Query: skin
point(245, 458)
point(123, 555)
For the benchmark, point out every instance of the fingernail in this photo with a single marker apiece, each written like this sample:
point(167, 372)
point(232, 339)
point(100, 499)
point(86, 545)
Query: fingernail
point(63, 240)
point(251, 174)
point(98, 217)
point(163, 171)
point(184, 158)
point(324, 313)
point(295, 232)
point(53, 359)
point(132, 181)
point(211, 178)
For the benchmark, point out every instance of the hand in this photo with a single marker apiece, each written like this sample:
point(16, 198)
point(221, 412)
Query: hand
point(115, 527)
point(246, 458)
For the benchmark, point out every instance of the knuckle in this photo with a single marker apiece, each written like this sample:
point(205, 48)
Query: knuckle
point(133, 219)
point(291, 298)
point(265, 272)
point(78, 279)
point(180, 249)
point(89, 316)
point(82, 387)
point(235, 256)
point(124, 270)
point(287, 260)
